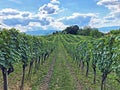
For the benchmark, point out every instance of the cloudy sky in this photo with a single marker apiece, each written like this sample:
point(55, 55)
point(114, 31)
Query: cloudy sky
point(58, 14)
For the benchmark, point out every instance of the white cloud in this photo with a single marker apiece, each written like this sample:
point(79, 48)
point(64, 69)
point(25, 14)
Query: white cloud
point(34, 24)
point(25, 20)
point(104, 22)
point(55, 2)
point(43, 19)
point(21, 19)
point(9, 13)
point(78, 19)
point(58, 25)
point(16, 1)
point(112, 18)
point(106, 2)
point(2, 25)
point(49, 9)
point(113, 6)
point(75, 15)
point(23, 28)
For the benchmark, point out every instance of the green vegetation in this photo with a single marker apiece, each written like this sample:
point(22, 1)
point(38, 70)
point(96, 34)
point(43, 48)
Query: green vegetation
point(86, 31)
point(21, 48)
point(102, 55)
point(61, 78)
point(59, 61)
point(115, 32)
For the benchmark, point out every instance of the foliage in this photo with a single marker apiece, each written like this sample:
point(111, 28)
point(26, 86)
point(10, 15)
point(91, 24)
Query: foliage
point(16, 47)
point(95, 33)
point(71, 30)
point(115, 32)
point(86, 31)
point(102, 54)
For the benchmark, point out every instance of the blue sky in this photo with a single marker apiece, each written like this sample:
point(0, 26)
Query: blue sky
point(58, 14)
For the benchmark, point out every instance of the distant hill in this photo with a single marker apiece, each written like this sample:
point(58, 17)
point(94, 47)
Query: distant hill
point(40, 32)
point(107, 29)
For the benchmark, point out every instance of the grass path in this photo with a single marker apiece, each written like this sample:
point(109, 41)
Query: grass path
point(72, 72)
point(60, 75)
point(46, 80)
point(61, 78)
point(77, 83)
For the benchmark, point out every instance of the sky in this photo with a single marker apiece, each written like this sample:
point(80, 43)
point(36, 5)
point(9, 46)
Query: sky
point(29, 15)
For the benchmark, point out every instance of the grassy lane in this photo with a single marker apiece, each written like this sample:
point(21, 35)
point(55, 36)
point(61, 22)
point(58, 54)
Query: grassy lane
point(77, 83)
point(39, 77)
point(46, 81)
point(61, 78)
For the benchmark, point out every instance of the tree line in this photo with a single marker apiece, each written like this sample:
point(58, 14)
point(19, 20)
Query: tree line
point(86, 31)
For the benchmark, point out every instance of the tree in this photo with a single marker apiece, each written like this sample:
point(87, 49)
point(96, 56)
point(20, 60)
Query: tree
point(71, 30)
point(115, 32)
point(95, 33)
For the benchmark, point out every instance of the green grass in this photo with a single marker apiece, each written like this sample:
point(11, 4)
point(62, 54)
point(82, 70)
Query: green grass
point(61, 78)
point(38, 77)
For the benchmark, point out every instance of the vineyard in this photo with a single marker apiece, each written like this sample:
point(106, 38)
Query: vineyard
point(58, 62)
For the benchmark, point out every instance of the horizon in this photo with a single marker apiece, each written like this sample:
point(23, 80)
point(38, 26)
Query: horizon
point(36, 15)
